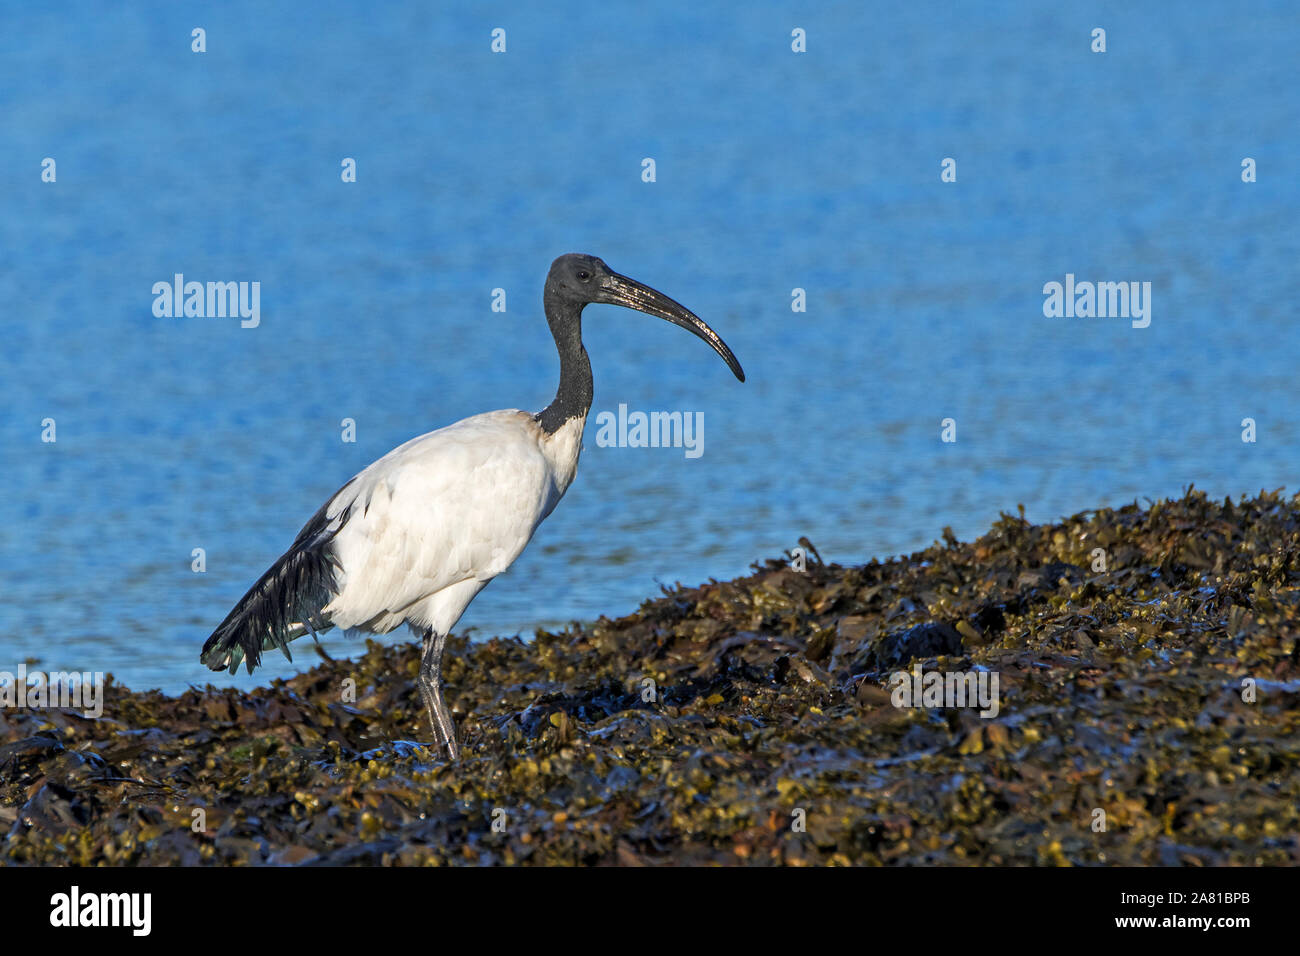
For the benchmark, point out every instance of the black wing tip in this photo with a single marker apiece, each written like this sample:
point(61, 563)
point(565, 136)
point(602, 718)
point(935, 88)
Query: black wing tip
point(223, 651)
point(295, 589)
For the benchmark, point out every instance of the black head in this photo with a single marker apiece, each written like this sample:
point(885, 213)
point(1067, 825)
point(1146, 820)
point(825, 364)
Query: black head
point(578, 280)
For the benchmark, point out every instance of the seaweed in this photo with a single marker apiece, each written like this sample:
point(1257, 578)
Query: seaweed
point(1148, 682)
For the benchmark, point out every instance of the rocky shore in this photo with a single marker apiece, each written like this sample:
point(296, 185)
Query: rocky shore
point(1142, 664)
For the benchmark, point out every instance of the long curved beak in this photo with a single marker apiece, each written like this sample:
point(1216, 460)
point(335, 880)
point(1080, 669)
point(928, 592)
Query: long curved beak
point(620, 290)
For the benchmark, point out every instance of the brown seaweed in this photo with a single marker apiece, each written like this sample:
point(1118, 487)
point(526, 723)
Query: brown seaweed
point(1149, 691)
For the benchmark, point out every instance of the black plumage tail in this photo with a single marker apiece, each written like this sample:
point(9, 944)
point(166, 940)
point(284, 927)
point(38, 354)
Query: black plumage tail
point(285, 603)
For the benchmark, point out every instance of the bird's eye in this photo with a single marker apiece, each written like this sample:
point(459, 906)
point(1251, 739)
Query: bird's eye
point(583, 275)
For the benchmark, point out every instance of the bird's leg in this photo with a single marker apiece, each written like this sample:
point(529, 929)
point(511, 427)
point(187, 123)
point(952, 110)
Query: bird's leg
point(430, 685)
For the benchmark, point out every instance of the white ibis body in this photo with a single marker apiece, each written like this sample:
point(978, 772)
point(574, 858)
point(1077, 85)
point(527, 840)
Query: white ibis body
point(417, 534)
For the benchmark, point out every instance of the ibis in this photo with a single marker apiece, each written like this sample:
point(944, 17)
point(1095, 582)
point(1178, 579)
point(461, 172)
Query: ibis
point(413, 537)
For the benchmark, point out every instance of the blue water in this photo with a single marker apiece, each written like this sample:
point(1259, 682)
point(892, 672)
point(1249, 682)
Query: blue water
point(775, 170)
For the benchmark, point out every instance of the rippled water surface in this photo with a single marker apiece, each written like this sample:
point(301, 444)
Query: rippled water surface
point(775, 171)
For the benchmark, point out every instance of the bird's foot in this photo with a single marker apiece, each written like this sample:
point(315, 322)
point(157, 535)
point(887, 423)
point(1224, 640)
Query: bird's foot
point(430, 752)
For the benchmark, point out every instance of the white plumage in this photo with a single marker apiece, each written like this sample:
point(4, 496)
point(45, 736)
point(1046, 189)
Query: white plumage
point(436, 519)
point(416, 535)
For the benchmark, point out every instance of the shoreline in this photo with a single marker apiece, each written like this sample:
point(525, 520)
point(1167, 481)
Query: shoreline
point(1141, 707)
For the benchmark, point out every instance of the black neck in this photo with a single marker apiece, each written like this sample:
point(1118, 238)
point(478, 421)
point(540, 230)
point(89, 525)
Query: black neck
point(573, 397)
